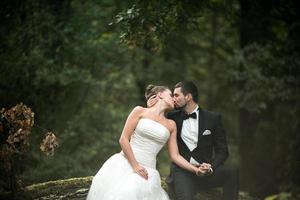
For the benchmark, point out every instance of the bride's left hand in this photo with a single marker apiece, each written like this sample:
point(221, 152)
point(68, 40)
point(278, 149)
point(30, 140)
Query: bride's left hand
point(142, 171)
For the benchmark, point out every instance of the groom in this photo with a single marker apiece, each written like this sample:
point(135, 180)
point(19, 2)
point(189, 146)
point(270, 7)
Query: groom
point(201, 141)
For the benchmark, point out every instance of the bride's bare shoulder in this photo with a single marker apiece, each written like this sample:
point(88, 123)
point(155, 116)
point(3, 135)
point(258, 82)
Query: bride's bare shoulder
point(172, 125)
point(138, 110)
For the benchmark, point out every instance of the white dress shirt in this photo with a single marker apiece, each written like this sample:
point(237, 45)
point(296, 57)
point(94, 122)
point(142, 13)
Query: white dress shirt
point(189, 133)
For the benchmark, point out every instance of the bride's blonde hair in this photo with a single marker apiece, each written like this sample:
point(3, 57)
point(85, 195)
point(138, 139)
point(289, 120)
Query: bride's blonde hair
point(152, 90)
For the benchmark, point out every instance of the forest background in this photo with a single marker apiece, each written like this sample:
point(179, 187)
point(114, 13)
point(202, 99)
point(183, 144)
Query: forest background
point(81, 66)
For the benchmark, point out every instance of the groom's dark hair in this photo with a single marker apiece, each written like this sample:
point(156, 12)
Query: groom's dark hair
point(188, 87)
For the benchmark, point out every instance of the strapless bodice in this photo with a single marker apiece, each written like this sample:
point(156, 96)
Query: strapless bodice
point(148, 139)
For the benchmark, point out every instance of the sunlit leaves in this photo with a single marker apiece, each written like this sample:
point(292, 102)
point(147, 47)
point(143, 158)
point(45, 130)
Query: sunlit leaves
point(152, 22)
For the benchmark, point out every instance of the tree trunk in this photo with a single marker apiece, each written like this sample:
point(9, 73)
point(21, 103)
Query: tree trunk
point(254, 28)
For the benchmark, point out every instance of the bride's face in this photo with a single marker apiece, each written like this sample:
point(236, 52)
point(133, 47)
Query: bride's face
point(167, 97)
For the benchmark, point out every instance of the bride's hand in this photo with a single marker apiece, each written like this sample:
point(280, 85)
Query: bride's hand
point(140, 170)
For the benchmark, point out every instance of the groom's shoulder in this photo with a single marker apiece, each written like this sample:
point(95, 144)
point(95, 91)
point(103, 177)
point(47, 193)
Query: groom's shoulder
point(212, 114)
point(173, 114)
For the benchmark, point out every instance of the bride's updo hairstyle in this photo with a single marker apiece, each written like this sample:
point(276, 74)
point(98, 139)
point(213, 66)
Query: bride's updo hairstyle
point(152, 90)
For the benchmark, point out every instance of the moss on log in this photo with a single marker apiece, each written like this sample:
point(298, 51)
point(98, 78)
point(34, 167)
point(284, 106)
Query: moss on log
point(77, 188)
point(74, 188)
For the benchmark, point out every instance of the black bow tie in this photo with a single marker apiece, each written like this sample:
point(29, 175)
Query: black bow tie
point(192, 115)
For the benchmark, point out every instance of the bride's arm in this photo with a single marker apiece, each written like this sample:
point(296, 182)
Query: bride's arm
point(127, 132)
point(174, 153)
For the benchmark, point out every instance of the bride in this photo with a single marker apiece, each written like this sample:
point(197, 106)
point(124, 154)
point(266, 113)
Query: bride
point(131, 174)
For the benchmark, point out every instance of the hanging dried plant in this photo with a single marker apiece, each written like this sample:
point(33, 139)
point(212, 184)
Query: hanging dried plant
point(49, 144)
point(20, 120)
point(15, 128)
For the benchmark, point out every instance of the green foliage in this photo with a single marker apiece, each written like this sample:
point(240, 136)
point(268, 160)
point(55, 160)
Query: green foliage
point(265, 77)
point(265, 74)
point(151, 23)
point(82, 66)
point(282, 196)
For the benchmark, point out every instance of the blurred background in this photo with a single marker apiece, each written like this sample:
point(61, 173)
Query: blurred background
point(81, 66)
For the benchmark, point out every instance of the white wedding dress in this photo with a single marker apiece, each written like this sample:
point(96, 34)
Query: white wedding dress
point(116, 179)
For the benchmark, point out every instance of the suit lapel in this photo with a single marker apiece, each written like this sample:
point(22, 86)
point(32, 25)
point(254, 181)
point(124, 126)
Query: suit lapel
point(201, 124)
point(180, 122)
point(179, 127)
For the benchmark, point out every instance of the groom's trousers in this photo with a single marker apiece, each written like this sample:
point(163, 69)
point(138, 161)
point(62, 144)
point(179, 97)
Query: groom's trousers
point(186, 184)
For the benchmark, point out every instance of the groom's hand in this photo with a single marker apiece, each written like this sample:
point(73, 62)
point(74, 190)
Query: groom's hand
point(207, 168)
point(152, 100)
point(200, 171)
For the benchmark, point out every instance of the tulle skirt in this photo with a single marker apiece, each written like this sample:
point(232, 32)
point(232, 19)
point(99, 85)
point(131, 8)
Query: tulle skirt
point(116, 180)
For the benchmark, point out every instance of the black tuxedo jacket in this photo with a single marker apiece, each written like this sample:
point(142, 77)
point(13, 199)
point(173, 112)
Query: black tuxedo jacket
point(211, 148)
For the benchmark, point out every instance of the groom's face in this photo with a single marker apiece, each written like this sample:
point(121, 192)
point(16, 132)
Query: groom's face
point(179, 98)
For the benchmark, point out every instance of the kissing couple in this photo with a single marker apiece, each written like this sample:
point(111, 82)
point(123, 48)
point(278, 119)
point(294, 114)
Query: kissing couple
point(197, 147)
